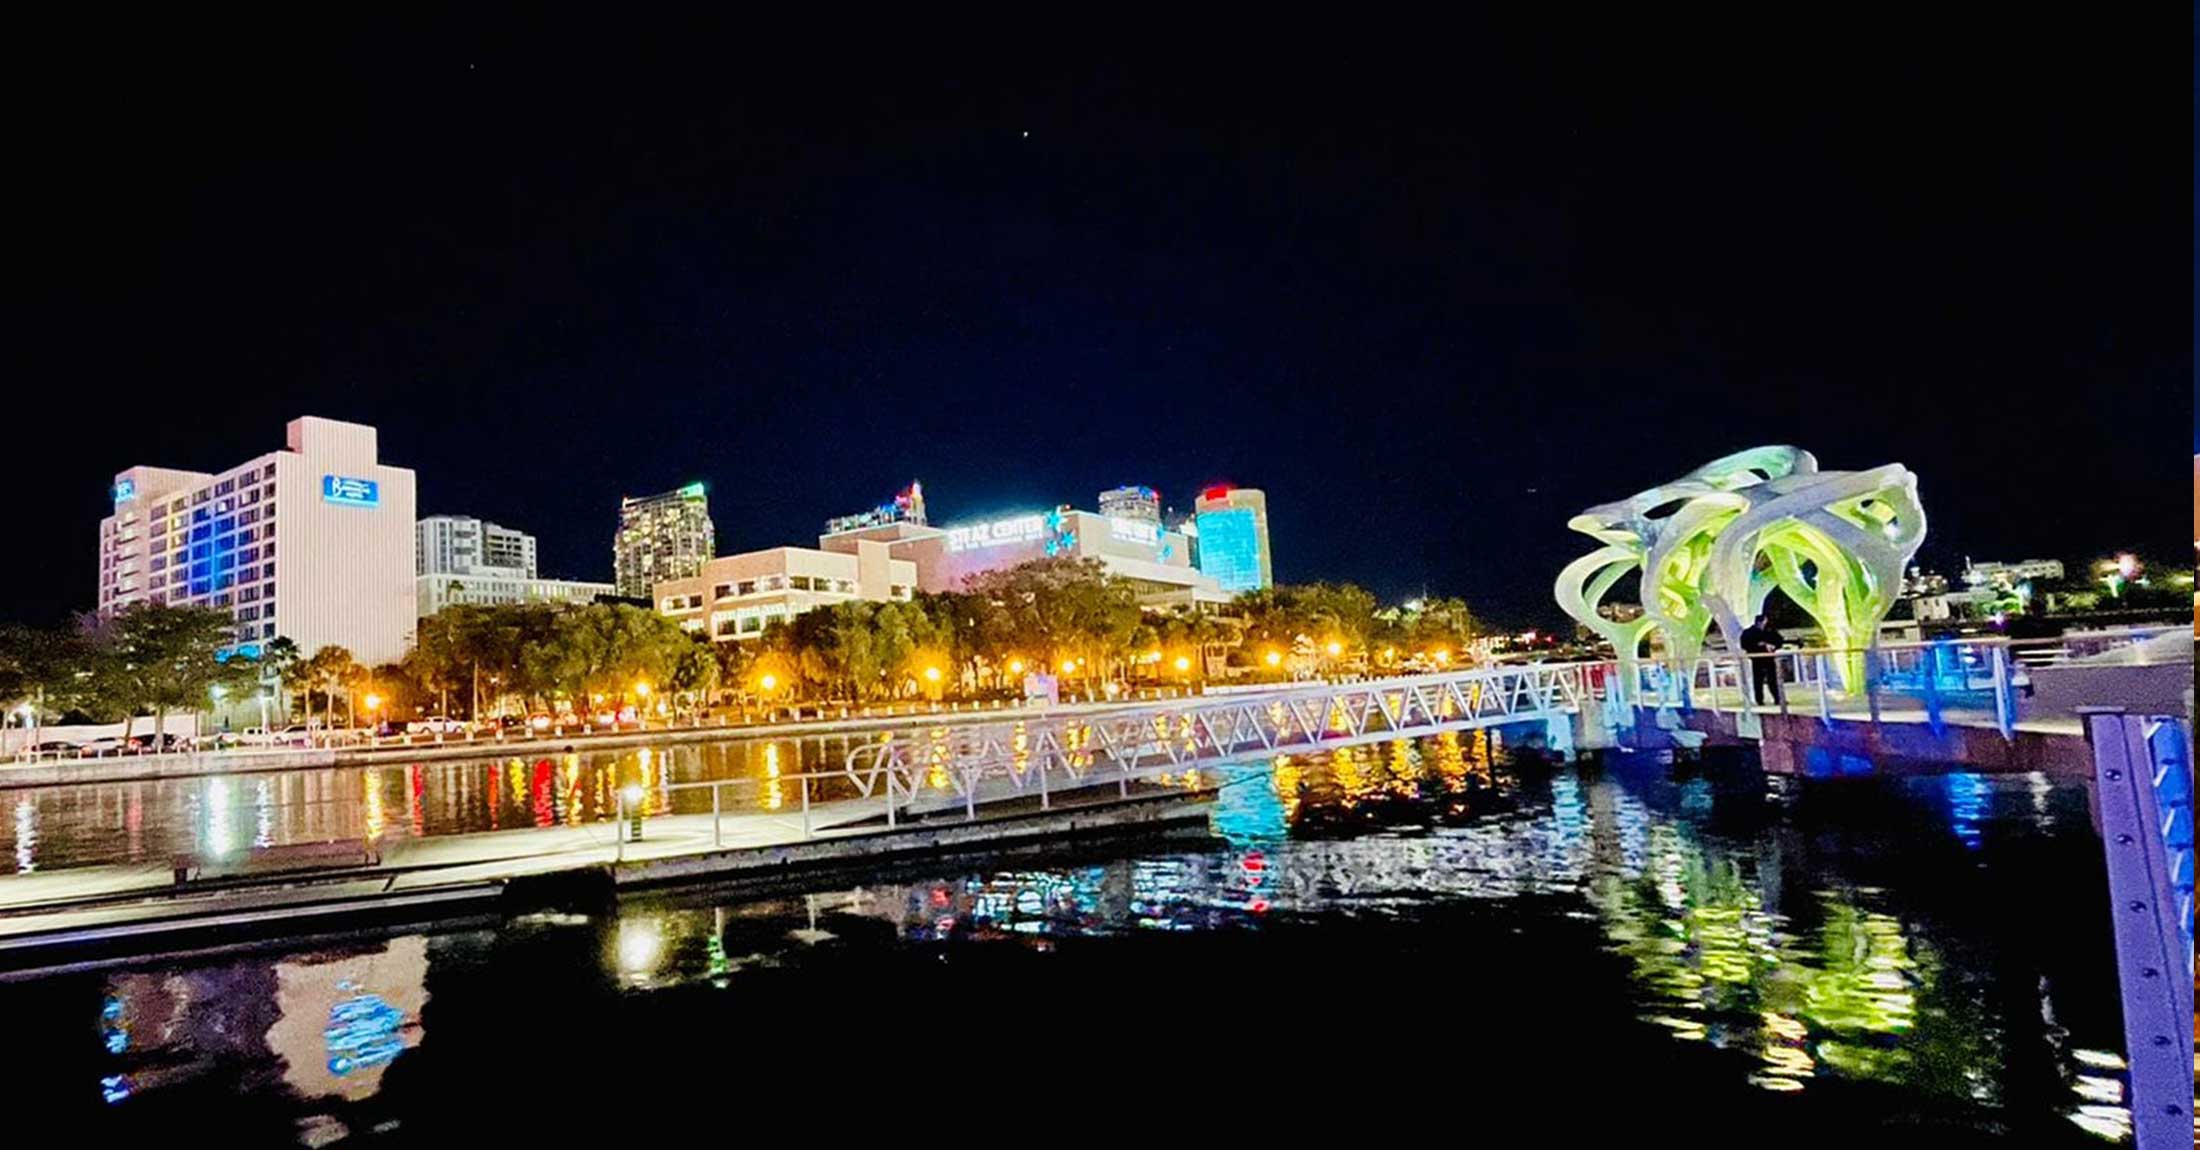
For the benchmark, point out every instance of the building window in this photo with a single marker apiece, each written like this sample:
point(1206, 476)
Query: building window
point(722, 591)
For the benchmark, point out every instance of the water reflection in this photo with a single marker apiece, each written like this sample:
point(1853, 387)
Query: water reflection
point(1730, 930)
point(330, 1023)
point(121, 823)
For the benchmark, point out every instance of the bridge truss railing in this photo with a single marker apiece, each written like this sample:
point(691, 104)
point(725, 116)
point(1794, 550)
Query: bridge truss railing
point(1042, 753)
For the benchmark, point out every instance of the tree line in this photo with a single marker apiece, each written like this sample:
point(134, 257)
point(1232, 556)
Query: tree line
point(1061, 616)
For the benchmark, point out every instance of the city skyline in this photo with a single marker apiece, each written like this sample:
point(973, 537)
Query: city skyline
point(1430, 312)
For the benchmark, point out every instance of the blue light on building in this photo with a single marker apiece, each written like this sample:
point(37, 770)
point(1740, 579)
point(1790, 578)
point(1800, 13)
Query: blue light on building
point(1229, 548)
point(125, 490)
point(350, 492)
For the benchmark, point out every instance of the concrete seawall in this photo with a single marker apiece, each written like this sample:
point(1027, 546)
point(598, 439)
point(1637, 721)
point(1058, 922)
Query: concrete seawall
point(1797, 744)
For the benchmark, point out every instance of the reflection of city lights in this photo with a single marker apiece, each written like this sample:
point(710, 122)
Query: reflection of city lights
point(641, 947)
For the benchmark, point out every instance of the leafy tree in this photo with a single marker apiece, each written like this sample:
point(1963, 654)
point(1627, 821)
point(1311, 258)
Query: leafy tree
point(154, 657)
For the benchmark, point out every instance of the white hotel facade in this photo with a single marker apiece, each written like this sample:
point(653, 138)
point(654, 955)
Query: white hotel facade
point(313, 543)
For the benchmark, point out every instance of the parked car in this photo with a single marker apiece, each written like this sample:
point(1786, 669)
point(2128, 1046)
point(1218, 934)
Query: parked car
point(164, 742)
point(542, 721)
point(104, 745)
point(294, 735)
point(435, 725)
point(56, 747)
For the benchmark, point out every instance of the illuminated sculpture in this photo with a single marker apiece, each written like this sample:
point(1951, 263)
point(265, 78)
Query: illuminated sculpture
point(1712, 545)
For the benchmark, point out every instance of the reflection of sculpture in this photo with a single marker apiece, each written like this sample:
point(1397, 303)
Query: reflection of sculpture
point(1712, 545)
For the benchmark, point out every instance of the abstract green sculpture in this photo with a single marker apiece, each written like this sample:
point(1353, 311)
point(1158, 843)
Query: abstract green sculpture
point(1712, 545)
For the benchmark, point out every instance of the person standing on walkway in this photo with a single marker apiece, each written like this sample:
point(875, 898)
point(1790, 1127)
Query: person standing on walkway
point(1760, 642)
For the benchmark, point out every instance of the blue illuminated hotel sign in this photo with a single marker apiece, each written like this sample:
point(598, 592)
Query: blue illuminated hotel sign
point(125, 490)
point(350, 492)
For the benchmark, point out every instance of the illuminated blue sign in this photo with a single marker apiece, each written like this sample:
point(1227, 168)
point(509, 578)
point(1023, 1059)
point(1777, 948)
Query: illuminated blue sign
point(125, 490)
point(350, 492)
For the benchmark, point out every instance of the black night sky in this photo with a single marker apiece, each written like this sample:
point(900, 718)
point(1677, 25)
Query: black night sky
point(1433, 289)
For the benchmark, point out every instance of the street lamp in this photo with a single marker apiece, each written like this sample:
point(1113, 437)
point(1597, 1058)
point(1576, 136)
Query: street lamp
point(1275, 658)
point(1183, 663)
point(1015, 666)
point(931, 674)
point(1335, 648)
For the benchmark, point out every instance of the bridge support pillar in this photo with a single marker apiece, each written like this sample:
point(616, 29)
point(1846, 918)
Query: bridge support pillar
point(1559, 736)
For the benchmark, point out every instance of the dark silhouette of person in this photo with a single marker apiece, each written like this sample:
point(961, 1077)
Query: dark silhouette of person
point(1759, 640)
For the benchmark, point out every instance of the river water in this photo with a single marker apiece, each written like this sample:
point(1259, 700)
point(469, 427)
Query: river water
point(1388, 942)
point(57, 828)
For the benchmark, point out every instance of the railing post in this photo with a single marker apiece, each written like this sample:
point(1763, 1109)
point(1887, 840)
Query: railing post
point(2005, 710)
point(1929, 668)
point(889, 797)
point(970, 795)
point(1871, 683)
point(717, 838)
point(1825, 707)
point(1779, 689)
point(805, 805)
point(618, 825)
point(1042, 783)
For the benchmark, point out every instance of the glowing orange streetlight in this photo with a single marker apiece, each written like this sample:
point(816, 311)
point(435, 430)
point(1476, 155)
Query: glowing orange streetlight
point(1275, 658)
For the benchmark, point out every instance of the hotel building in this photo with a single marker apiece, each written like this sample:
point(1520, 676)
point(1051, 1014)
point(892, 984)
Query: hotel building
point(340, 517)
point(463, 560)
point(736, 596)
point(667, 536)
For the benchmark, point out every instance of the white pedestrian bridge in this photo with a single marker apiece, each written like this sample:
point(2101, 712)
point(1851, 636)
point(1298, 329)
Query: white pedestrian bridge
point(978, 761)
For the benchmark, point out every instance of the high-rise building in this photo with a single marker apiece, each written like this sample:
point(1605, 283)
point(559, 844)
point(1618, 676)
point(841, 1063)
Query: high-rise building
point(1142, 504)
point(1232, 525)
point(463, 560)
point(345, 573)
point(661, 537)
point(463, 545)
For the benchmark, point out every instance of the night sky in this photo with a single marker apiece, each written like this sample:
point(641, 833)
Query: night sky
point(1434, 290)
